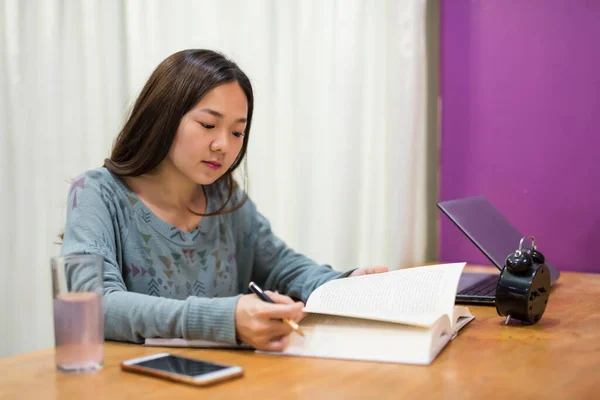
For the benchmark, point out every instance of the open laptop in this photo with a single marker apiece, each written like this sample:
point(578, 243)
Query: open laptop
point(494, 236)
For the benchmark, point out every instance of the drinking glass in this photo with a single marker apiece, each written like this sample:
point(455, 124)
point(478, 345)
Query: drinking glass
point(77, 284)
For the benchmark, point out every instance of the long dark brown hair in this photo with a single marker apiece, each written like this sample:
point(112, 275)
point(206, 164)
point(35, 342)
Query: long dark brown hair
point(176, 85)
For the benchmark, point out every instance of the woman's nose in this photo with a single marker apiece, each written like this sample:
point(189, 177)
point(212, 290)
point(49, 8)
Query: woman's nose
point(221, 142)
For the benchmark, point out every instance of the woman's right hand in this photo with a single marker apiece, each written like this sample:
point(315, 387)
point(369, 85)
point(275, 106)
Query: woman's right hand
point(260, 324)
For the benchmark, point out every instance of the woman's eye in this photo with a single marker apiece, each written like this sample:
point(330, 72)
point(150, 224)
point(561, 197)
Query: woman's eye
point(207, 126)
point(238, 134)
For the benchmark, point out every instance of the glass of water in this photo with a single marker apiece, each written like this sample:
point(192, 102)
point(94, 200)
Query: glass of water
point(77, 284)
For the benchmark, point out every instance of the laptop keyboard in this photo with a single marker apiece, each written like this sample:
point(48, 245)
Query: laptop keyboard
point(486, 287)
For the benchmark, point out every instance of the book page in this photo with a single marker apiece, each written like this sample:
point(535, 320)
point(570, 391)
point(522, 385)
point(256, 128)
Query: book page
point(461, 316)
point(411, 294)
point(199, 343)
point(340, 337)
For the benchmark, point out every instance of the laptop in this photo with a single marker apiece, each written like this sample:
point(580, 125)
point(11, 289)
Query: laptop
point(494, 236)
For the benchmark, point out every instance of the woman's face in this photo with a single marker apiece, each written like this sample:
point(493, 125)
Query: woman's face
point(210, 136)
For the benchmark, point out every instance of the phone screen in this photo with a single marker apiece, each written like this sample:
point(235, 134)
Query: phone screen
point(181, 365)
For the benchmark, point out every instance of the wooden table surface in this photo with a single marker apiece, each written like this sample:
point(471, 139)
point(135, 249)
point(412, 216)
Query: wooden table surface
point(557, 358)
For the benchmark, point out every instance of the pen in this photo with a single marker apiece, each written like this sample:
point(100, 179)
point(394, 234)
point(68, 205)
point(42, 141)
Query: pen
point(263, 296)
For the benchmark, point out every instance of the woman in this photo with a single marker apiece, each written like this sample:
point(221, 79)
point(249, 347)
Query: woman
point(180, 240)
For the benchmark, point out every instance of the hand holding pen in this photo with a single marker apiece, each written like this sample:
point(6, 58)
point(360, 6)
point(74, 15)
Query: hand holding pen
point(263, 296)
point(259, 322)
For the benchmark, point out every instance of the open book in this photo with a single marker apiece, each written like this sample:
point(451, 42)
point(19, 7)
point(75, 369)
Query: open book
point(403, 316)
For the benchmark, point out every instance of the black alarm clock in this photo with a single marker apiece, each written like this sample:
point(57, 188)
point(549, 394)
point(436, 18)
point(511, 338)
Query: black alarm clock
point(523, 289)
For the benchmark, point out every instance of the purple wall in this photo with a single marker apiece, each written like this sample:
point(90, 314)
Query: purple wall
point(520, 85)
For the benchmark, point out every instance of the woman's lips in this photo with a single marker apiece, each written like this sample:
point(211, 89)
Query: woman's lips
point(214, 165)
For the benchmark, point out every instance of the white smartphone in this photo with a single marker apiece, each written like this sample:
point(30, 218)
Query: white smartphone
point(182, 369)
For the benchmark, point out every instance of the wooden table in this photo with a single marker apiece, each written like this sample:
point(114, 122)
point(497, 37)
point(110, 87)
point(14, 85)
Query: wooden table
point(557, 358)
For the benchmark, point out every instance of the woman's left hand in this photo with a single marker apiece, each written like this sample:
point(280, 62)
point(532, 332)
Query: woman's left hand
point(368, 271)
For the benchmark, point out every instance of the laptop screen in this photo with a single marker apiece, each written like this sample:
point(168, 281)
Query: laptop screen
point(487, 228)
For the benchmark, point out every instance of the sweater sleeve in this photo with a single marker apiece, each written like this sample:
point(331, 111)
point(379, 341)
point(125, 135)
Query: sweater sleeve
point(95, 225)
point(282, 269)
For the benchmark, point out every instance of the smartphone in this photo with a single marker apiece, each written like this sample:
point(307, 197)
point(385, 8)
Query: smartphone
point(182, 369)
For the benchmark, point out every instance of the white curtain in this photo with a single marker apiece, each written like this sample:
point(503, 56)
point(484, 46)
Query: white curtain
point(337, 157)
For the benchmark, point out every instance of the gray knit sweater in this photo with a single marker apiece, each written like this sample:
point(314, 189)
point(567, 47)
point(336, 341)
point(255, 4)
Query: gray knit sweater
point(160, 281)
